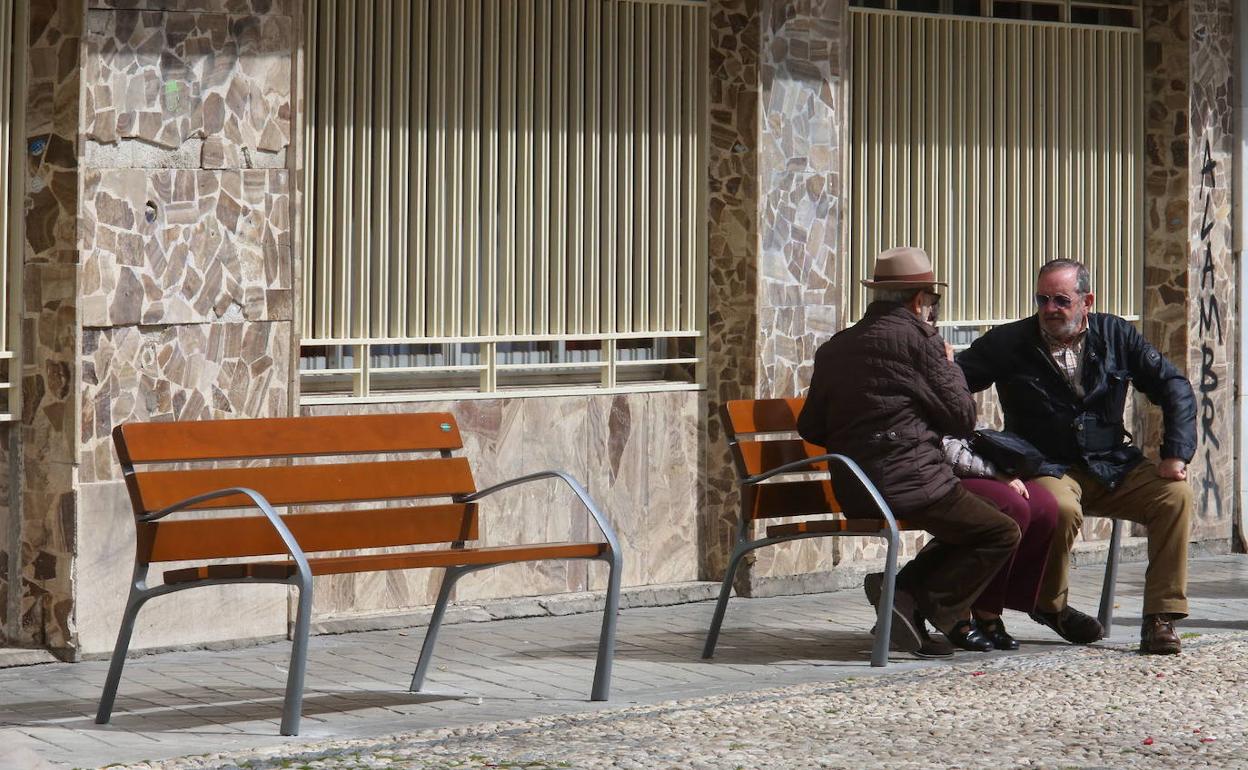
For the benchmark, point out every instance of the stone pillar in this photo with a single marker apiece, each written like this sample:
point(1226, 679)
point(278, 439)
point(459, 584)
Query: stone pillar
point(776, 124)
point(1189, 298)
point(45, 445)
point(1211, 267)
point(185, 287)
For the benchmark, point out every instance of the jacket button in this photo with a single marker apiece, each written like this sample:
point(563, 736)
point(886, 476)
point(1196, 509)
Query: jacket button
point(1079, 426)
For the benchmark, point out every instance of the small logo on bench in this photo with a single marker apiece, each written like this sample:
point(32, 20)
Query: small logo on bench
point(446, 427)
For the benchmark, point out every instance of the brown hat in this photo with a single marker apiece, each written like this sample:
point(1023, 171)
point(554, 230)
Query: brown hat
point(905, 267)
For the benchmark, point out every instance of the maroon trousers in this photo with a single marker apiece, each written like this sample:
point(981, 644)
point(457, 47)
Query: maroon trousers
point(1017, 583)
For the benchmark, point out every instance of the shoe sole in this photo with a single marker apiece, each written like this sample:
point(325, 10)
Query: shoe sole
point(903, 636)
point(1164, 651)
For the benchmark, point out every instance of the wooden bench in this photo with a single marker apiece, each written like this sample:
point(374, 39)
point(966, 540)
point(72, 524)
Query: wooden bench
point(298, 463)
point(773, 471)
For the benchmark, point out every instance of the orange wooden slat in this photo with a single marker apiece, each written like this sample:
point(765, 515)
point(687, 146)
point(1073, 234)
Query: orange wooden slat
point(761, 456)
point(791, 498)
point(150, 442)
point(309, 484)
point(828, 526)
point(391, 561)
point(772, 415)
point(253, 535)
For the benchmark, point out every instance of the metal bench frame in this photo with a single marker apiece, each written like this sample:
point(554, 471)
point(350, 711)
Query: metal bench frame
point(301, 579)
point(888, 529)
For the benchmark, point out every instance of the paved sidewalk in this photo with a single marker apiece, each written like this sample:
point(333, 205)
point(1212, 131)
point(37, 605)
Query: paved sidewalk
point(202, 702)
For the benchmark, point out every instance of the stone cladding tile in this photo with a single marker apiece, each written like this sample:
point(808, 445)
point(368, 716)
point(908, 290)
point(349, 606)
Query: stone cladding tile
point(799, 220)
point(185, 246)
point(187, 89)
point(184, 372)
point(732, 272)
point(1211, 268)
point(43, 613)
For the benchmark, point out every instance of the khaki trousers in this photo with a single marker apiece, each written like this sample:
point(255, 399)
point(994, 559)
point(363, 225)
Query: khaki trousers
point(1161, 505)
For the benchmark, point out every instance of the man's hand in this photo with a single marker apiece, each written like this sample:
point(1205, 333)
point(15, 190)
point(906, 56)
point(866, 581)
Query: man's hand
point(949, 352)
point(1018, 486)
point(1172, 468)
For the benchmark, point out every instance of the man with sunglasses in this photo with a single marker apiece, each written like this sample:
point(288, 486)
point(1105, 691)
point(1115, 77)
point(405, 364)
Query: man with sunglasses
point(884, 392)
point(1062, 377)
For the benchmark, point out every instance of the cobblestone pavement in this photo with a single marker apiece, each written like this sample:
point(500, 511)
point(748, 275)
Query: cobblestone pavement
point(206, 702)
point(1072, 708)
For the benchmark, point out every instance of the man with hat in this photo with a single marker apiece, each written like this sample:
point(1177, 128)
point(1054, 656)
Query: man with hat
point(884, 392)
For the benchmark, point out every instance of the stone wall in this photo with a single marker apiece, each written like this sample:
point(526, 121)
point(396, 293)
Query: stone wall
point(46, 435)
point(1211, 268)
point(185, 284)
point(732, 270)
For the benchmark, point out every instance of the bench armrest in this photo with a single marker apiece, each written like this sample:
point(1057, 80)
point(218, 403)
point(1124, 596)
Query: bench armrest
point(599, 518)
point(799, 466)
point(288, 539)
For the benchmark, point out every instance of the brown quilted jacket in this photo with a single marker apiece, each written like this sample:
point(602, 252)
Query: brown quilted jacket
point(884, 394)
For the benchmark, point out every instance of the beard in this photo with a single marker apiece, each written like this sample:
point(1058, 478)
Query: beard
point(1064, 328)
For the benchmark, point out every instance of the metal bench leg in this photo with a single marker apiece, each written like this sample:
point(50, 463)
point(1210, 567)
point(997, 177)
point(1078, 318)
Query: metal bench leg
point(293, 706)
point(449, 579)
point(1106, 615)
point(606, 641)
point(884, 618)
point(712, 636)
point(134, 602)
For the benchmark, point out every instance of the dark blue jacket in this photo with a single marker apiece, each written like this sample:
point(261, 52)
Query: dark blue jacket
point(1088, 433)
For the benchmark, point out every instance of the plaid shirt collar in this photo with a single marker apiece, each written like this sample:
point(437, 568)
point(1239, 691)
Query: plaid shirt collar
point(1068, 356)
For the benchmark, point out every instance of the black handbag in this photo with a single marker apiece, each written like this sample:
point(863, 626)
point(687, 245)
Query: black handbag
point(1011, 453)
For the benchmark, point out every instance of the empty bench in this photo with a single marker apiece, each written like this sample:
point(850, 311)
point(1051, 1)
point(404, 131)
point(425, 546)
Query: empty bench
point(306, 465)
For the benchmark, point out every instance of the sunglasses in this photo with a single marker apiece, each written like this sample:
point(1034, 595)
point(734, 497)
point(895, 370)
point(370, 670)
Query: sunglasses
point(1061, 300)
point(934, 295)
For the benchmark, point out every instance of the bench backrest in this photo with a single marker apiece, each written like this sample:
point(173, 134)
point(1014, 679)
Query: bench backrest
point(762, 436)
point(285, 483)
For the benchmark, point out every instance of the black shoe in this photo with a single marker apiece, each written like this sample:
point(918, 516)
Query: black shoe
point(915, 630)
point(1071, 624)
point(968, 637)
point(996, 633)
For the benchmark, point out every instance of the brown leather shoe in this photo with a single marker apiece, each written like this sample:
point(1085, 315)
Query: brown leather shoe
point(1157, 636)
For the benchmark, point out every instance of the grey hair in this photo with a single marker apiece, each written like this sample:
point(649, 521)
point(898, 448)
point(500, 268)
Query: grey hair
point(893, 295)
point(1083, 281)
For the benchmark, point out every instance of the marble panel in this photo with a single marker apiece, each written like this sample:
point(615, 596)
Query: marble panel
point(185, 247)
point(541, 434)
point(106, 554)
point(160, 79)
point(191, 372)
point(257, 7)
point(619, 459)
point(644, 450)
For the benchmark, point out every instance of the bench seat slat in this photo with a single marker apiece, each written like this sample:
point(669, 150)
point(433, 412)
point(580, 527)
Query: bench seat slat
point(761, 456)
point(790, 498)
point(165, 442)
point(253, 535)
point(827, 526)
point(309, 484)
point(772, 415)
point(277, 570)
